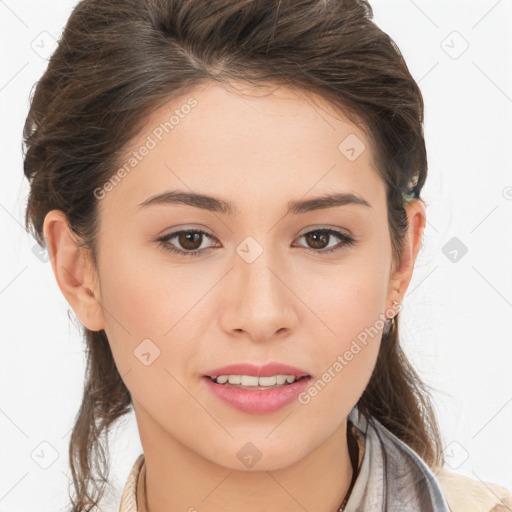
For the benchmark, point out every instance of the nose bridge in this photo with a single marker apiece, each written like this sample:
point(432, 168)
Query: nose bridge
point(253, 268)
point(262, 303)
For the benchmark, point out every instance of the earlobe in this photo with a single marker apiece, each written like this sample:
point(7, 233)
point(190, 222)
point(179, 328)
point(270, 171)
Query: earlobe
point(73, 270)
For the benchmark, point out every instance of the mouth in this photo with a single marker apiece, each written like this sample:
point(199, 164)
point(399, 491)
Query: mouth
point(257, 395)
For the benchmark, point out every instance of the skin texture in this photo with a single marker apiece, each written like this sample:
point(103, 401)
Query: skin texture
point(291, 304)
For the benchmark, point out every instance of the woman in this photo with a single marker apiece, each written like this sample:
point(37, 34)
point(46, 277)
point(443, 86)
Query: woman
point(230, 195)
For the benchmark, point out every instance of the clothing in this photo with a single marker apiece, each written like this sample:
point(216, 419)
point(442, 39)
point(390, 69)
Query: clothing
point(409, 485)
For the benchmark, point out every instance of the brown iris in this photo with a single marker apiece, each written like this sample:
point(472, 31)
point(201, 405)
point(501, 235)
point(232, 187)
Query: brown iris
point(189, 239)
point(316, 238)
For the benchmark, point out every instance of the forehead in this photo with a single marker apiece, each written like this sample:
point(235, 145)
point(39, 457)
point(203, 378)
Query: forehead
point(251, 144)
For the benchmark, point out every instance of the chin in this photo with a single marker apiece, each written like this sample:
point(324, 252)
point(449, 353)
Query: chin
point(257, 455)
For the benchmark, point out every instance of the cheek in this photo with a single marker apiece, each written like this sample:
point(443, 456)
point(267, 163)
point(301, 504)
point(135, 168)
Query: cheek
point(147, 307)
point(345, 298)
point(349, 303)
point(345, 354)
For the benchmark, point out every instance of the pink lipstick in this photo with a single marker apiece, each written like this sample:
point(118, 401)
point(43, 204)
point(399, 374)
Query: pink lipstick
point(257, 389)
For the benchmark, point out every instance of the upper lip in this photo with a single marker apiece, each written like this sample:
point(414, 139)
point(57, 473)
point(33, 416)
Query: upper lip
point(266, 370)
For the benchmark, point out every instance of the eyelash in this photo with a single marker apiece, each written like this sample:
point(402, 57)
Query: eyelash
point(347, 241)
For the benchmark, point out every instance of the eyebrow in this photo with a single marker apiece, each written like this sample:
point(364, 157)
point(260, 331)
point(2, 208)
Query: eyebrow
point(218, 205)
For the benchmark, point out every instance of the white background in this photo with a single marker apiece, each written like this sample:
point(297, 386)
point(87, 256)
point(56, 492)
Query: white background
point(457, 316)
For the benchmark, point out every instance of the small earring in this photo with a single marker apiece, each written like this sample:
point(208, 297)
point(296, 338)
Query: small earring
point(390, 322)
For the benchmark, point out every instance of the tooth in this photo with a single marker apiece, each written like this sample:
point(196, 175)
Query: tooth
point(267, 381)
point(251, 380)
point(281, 379)
point(247, 380)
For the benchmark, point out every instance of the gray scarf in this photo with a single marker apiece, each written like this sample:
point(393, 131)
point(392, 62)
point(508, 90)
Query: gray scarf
point(392, 477)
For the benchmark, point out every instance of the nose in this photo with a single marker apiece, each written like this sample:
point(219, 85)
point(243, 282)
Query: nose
point(261, 303)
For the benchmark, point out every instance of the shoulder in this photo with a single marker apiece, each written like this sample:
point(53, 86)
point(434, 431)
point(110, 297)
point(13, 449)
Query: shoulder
point(465, 494)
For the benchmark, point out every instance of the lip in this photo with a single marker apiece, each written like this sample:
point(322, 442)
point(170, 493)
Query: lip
point(267, 370)
point(257, 401)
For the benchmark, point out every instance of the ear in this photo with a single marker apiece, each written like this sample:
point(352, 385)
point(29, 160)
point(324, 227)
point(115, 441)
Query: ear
point(73, 270)
point(401, 277)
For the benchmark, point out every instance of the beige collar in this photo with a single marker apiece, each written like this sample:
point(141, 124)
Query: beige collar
point(141, 489)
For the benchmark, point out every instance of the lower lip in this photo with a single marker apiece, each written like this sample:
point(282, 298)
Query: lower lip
point(258, 401)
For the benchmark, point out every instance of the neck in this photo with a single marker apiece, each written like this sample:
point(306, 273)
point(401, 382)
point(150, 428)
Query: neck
point(176, 478)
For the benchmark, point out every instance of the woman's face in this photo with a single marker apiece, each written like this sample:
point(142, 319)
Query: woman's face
point(261, 287)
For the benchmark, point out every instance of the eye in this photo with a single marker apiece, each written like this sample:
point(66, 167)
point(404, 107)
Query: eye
point(191, 241)
point(318, 239)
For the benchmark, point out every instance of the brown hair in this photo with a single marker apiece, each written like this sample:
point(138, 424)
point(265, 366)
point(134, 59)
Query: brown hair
point(119, 59)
